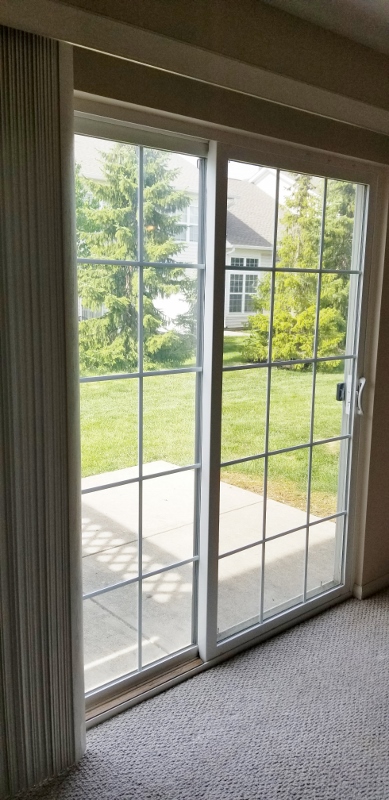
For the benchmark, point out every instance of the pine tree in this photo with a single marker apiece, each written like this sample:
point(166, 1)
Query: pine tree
point(295, 295)
point(107, 212)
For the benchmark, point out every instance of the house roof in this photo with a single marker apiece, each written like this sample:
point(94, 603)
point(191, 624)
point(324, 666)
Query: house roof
point(187, 173)
point(250, 211)
point(250, 215)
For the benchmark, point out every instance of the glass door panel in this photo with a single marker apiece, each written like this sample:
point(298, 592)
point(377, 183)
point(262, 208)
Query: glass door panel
point(289, 353)
point(140, 269)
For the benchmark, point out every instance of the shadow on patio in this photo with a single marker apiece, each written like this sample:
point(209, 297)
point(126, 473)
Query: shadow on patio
point(110, 555)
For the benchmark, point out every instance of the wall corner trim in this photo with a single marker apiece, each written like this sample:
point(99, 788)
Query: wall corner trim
point(362, 591)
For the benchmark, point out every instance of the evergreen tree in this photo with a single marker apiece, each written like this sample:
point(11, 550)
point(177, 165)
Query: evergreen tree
point(107, 212)
point(295, 294)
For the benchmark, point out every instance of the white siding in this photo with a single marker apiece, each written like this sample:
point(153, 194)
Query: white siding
point(188, 253)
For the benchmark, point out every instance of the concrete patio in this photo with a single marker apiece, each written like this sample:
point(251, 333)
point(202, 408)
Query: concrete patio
point(110, 555)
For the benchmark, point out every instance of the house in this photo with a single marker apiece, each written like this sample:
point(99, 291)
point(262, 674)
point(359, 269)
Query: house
point(250, 224)
point(249, 246)
point(249, 76)
point(249, 242)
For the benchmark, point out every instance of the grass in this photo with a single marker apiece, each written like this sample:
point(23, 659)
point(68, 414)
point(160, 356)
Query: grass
point(109, 425)
point(233, 349)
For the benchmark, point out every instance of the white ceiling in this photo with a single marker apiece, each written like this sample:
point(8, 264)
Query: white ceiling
point(365, 21)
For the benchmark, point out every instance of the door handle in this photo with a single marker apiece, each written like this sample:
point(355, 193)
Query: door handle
point(343, 392)
point(361, 383)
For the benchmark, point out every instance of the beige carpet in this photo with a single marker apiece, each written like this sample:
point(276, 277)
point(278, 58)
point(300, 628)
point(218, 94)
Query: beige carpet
point(305, 715)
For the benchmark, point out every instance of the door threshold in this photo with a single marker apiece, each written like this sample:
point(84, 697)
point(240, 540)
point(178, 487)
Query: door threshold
point(99, 711)
point(139, 692)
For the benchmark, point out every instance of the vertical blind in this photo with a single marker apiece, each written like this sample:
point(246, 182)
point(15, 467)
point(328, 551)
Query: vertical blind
point(41, 690)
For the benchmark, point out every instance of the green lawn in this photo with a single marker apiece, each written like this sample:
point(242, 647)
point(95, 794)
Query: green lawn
point(233, 349)
point(109, 423)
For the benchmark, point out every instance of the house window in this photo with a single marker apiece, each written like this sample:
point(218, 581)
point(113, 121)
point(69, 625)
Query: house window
point(250, 289)
point(252, 263)
point(193, 223)
point(242, 290)
point(236, 292)
point(237, 262)
point(187, 226)
point(180, 234)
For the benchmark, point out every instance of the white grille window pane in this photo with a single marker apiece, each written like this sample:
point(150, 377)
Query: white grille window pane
point(180, 234)
point(250, 291)
point(252, 263)
point(193, 233)
point(237, 262)
point(193, 223)
point(249, 303)
point(251, 283)
point(236, 284)
point(236, 292)
point(235, 303)
point(193, 215)
point(170, 187)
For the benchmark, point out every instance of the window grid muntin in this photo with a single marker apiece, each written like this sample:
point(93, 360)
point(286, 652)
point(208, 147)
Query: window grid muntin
point(281, 450)
point(114, 376)
point(282, 534)
point(136, 263)
point(140, 406)
point(314, 361)
point(288, 363)
point(111, 587)
point(147, 477)
point(201, 258)
point(298, 270)
point(230, 368)
point(140, 374)
point(314, 370)
point(268, 392)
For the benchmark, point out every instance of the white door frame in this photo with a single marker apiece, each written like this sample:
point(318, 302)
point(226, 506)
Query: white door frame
point(287, 157)
point(224, 144)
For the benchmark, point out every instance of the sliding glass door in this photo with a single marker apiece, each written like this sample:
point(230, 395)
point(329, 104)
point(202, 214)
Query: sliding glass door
point(288, 389)
point(140, 267)
point(220, 303)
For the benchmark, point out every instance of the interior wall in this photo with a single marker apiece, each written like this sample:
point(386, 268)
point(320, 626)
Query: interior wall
point(116, 78)
point(260, 35)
